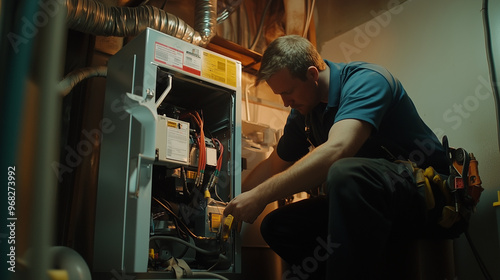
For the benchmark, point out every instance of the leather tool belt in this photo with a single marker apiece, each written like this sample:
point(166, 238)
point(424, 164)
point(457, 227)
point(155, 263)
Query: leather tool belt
point(460, 191)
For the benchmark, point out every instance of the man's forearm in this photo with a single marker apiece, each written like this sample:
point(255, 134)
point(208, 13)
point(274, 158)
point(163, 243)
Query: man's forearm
point(264, 170)
point(305, 174)
point(259, 174)
point(345, 139)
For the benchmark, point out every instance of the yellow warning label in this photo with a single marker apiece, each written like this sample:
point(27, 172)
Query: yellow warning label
point(171, 124)
point(231, 73)
point(190, 174)
point(215, 221)
point(219, 69)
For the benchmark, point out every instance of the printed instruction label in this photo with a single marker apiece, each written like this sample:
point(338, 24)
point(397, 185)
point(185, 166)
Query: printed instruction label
point(168, 55)
point(219, 69)
point(194, 60)
point(177, 141)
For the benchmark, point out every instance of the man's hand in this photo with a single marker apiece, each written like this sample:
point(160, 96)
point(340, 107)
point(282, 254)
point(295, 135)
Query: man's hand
point(246, 207)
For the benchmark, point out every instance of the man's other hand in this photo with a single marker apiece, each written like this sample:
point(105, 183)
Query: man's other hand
point(246, 207)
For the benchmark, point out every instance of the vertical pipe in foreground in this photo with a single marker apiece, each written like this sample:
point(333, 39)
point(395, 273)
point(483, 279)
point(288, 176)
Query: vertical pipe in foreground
point(47, 72)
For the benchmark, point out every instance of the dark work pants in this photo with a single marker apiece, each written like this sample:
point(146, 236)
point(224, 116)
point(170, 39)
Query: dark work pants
point(345, 234)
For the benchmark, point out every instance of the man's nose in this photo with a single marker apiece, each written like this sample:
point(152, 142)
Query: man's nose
point(286, 101)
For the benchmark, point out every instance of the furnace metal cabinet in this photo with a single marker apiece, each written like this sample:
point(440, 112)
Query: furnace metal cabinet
point(169, 106)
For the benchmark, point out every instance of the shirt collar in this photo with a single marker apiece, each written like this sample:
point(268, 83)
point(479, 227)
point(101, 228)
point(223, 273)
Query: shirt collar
point(334, 91)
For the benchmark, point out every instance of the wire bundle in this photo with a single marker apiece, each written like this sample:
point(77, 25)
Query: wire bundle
point(202, 155)
point(215, 175)
point(221, 151)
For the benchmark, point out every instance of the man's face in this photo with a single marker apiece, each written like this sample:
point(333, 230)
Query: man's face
point(296, 93)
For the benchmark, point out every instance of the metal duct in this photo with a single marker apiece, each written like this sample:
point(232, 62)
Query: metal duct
point(72, 79)
point(93, 17)
point(205, 18)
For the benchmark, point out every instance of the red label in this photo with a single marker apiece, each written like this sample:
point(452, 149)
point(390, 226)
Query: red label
point(459, 183)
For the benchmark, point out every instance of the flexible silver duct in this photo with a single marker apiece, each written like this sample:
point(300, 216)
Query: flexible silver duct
point(205, 18)
point(72, 79)
point(93, 17)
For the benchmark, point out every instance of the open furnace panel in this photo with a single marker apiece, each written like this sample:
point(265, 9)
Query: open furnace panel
point(170, 158)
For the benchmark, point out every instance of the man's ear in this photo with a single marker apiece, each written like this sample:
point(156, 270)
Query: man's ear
point(312, 73)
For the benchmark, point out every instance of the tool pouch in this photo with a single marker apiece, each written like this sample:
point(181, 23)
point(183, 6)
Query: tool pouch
point(457, 194)
point(428, 180)
point(463, 184)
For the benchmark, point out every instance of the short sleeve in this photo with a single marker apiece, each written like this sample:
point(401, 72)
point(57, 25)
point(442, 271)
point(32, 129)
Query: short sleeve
point(366, 95)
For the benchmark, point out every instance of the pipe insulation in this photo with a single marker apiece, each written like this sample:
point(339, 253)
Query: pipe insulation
point(72, 79)
point(93, 17)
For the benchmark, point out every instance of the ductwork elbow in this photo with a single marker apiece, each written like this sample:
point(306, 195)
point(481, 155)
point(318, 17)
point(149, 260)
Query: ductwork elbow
point(205, 20)
point(93, 17)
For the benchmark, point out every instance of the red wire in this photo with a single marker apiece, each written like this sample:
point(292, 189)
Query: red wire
point(202, 146)
point(221, 150)
point(201, 143)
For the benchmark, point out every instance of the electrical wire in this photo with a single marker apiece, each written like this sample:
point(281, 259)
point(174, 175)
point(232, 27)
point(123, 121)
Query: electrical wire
point(180, 221)
point(491, 63)
point(162, 6)
point(201, 147)
point(180, 256)
point(228, 9)
point(185, 243)
point(209, 274)
point(219, 159)
point(482, 266)
point(217, 195)
point(309, 17)
point(215, 175)
point(221, 152)
point(185, 186)
point(261, 26)
point(221, 257)
point(181, 233)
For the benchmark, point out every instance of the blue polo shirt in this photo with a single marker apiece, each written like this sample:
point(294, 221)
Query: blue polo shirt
point(366, 92)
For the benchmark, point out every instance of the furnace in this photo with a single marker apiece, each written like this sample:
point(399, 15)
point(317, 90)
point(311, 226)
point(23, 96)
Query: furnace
point(172, 159)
